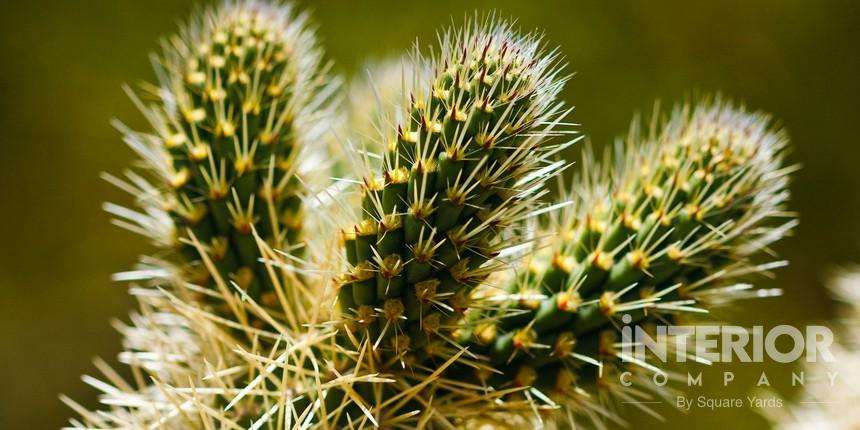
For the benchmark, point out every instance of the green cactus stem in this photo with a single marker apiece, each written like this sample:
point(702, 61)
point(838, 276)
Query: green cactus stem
point(660, 235)
point(459, 174)
point(236, 113)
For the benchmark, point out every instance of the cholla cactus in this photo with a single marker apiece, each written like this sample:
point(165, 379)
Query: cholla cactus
point(389, 312)
point(190, 371)
point(463, 165)
point(831, 387)
point(375, 98)
point(241, 101)
point(378, 98)
point(461, 170)
point(662, 233)
point(237, 121)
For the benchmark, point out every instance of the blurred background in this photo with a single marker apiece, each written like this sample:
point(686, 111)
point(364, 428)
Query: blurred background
point(60, 83)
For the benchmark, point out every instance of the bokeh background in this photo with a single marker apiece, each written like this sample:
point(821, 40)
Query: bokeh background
point(63, 64)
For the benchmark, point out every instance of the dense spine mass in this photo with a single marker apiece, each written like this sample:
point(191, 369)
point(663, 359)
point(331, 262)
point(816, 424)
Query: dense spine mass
point(460, 172)
point(231, 161)
point(404, 303)
point(241, 90)
point(661, 234)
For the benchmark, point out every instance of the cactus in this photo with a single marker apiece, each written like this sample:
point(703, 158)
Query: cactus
point(463, 165)
point(377, 97)
point(235, 151)
point(241, 101)
point(448, 290)
point(663, 233)
point(187, 370)
point(459, 172)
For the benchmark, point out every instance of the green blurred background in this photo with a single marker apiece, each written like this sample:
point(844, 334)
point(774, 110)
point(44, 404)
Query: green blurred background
point(63, 63)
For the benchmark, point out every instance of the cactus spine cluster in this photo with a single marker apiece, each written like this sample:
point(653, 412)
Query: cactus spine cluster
point(661, 234)
point(458, 174)
point(241, 93)
point(235, 146)
point(415, 311)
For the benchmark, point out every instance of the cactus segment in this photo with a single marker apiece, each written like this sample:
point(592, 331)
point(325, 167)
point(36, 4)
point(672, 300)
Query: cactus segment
point(662, 234)
point(463, 167)
point(241, 93)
